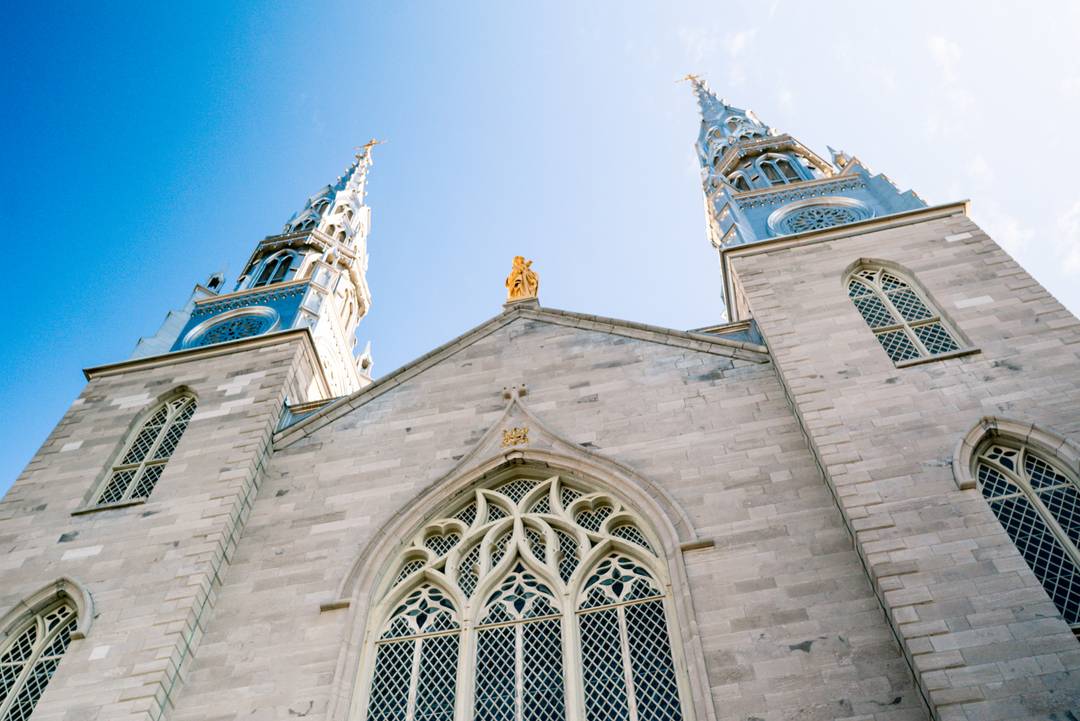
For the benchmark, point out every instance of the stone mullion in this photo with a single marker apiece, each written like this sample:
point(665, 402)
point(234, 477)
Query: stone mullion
point(414, 679)
point(904, 325)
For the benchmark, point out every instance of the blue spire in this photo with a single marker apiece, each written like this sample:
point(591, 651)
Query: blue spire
point(760, 183)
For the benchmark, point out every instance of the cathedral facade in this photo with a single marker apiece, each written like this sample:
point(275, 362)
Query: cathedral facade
point(857, 498)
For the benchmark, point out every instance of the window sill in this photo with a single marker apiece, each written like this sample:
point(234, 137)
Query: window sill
point(107, 506)
point(940, 356)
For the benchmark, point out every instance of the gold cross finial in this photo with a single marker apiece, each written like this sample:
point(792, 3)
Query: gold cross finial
point(689, 76)
point(366, 147)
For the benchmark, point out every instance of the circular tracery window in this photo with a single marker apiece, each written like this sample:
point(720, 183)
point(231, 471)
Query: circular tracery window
point(819, 217)
point(242, 326)
point(816, 214)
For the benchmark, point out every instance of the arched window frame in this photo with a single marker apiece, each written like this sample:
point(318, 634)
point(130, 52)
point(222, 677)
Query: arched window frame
point(277, 268)
point(901, 315)
point(147, 449)
point(739, 181)
point(31, 648)
point(772, 169)
point(418, 565)
point(993, 458)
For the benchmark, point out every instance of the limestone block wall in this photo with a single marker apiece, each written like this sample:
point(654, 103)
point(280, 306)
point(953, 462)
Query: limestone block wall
point(785, 619)
point(151, 569)
point(986, 640)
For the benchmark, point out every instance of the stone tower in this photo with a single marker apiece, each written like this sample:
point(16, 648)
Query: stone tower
point(923, 364)
point(311, 275)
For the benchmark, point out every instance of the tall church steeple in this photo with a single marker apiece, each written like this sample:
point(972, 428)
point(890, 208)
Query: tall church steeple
point(311, 275)
point(760, 183)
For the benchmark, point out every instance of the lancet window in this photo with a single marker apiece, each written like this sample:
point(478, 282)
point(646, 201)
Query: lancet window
point(739, 181)
point(275, 270)
point(146, 453)
point(778, 170)
point(532, 600)
point(29, 655)
point(905, 323)
point(1038, 504)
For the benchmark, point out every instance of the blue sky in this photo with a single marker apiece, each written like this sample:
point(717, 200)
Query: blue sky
point(147, 145)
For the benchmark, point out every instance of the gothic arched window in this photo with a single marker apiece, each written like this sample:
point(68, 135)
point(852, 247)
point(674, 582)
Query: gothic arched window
point(905, 323)
point(30, 651)
point(1037, 502)
point(527, 589)
point(146, 453)
point(786, 169)
point(275, 270)
point(771, 173)
point(739, 181)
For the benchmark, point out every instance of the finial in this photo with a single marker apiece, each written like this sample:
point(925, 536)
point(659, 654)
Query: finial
point(839, 157)
point(522, 283)
point(689, 77)
point(365, 149)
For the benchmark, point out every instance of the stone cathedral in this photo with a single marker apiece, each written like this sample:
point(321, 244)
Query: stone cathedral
point(857, 497)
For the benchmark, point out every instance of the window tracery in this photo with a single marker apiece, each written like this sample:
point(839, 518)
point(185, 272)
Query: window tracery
point(1038, 505)
point(906, 324)
point(516, 574)
point(144, 457)
point(29, 658)
point(234, 328)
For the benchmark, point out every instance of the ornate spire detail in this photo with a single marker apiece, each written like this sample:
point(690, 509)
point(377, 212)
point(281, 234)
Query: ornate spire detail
point(344, 198)
point(722, 124)
point(760, 183)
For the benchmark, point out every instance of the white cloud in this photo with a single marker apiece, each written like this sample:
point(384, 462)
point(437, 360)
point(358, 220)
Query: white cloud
point(1005, 228)
point(946, 54)
point(785, 98)
point(956, 101)
point(697, 43)
point(736, 43)
point(1067, 240)
point(980, 171)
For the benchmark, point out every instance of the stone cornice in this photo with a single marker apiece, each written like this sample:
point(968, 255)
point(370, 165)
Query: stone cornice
point(723, 327)
point(296, 335)
point(248, 297)
point(798, 191)
point(862, 227)
point(704, 343)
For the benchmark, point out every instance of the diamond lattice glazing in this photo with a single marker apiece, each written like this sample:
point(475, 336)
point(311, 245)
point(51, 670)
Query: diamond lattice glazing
point(520, 670)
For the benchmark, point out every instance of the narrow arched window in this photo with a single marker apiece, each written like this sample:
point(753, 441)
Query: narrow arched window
point(621, 616)
point(739, 181)
point(904, 322)
point(274, 270)
point(786, 169)
point(416, 660)
point(771, 173)
point(29, 655)
point(549, 586)
point(146, 453)
point(1038, 504)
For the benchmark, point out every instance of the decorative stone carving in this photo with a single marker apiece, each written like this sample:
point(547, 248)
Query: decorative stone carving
point(515, 437)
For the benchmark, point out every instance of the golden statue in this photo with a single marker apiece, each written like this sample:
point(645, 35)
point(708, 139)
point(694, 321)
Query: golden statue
point(522, 282)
